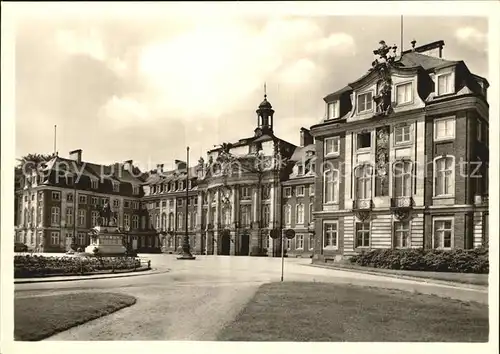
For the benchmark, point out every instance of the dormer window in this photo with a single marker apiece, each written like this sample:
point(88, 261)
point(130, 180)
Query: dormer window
point(365, 102)
point(95, 183)
point(116, 187)
point(300, 170)
point(404, 93)
point(333, 110)
point(135, 189)
point(444, 84)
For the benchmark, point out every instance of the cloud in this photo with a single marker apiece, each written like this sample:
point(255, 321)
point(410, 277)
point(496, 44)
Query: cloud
point(73, 43)
point(341, 42)
point(472, 38)
point(298, 72)
point(124, 111)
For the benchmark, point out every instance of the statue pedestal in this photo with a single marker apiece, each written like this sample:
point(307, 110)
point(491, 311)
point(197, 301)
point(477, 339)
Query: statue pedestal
point(108, 240)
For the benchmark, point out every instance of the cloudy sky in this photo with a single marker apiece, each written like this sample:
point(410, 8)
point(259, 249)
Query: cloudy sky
point(143, 88)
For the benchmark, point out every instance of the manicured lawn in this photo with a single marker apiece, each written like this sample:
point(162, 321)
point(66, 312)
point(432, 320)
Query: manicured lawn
point(331, 312)
point(36, 318)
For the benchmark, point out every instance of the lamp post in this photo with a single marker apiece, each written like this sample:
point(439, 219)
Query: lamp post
point(186, 248)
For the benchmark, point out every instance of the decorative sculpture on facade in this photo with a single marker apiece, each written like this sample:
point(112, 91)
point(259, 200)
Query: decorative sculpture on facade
point(384, 87)
point(382, 154)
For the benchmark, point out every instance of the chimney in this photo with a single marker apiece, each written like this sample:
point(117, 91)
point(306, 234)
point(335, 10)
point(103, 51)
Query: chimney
point(433, 49)
point(76, 155)
point(180, 165)
point(305, 137)
point(159, 168)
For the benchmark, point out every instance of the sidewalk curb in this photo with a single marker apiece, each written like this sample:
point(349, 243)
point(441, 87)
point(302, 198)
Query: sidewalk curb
point(92, 277)
point(476, 287)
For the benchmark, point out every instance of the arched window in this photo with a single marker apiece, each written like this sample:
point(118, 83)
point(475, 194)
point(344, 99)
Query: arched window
point(32, 215)
point(189, 220)
point(163, 221)
point(331, 183)
point(193, 220)
point(266, 215)
point(180, 221)
point(363, 178)
point(171, 221)
point(444, 176)
point(158, 225)
point(402, 172)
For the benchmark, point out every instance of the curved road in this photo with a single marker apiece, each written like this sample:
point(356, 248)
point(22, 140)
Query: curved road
point(195, 299)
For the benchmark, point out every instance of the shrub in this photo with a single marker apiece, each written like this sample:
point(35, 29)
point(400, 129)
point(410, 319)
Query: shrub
point(33, 266)
point(459, 261)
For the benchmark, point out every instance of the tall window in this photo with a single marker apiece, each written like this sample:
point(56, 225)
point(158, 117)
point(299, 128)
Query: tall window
point(193, 221)
point(189, 220)
point(135, 222)
point(266, 192)
point(55, 215)
point(158, 225)
point(69, 217)
point(81, 238)
point(300, 214)
point(362, 234)
point(81, 217)
point(300, 191)
point(444, 176)
point(330, 234)
point(245, 215)
point(287, 192)
point(311, 189)
point(311, 209)
point(332, 146)
point(171, 221)
point(95, 216)
point(126, 220)
point(404, 93)
point(365, 102)
point(266, 215)
point(444, 128)
point(444, 84)
point(135, 190)
point(402, 178)
point(333, 110)
point(402, 234)
point(331, 183)
point(288, 214)
point(363, 176)
point(443, 232)
point(143, 222)
point(299, 242)
point(54, 238)
point(311, 242)
point(163, 221)
point(180, 221)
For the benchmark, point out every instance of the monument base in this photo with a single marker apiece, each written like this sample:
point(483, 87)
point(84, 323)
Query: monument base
point(107, 240)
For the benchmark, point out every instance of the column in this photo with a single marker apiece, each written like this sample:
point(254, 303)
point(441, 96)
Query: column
point(234, 220)
point(198, 223)
point(216, 222)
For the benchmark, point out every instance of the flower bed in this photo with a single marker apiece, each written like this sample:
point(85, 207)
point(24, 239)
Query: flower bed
point(28, 266)
point(458, 261)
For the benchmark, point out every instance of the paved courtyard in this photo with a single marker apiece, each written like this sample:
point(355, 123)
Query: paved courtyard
point(193, 300)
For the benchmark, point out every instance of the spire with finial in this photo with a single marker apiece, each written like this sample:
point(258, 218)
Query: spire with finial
point(265, 114)
point(265, 90)
point(413, 42)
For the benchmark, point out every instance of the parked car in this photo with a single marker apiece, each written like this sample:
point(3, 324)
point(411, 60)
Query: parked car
point(20, 247)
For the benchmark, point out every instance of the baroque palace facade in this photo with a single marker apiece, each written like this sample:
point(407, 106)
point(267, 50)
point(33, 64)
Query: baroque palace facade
point(393, 164)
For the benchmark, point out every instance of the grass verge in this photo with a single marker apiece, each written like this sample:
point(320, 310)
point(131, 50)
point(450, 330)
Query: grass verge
point(36, 318)
point(331, 312)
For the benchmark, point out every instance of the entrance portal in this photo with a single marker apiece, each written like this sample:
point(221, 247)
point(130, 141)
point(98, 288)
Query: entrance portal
point(245, 244)
point(225, 247)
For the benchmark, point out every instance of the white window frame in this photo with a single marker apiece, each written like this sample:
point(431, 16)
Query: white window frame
point(335, 186)
point(397, 234)
point(299, 221)
point(449, 136)
point(287, 192)
point(311, 242)
point(116, 203)
point(94, 217)
point(366, 101)
point(311, 189)
point(135, 190)
point(69, 216)
point(402, 128)
point(135, 222)
point(82, 214)
point(94, 183)
point(299, 245)
point(94, 201)
point(362, 231)
point(116, 186)
point(288, 214)
point(451, 86)
point(333, 113)
point(300, 188)
point(396, 98)
point(405, 176)
point(441, 241)
point(364, 148)
point(55, 196)
point(55, 215)
point(266, 215)
point(326, 238)
point(369, 177)
point(311, 210)
point(69, 197)
point(82, 199)
point(300, 169)
point(334, 148)
point(245, 193)
point(55, 238)
point(81, 238)
point(435, 175)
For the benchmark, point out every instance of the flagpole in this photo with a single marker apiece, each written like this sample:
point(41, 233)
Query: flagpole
point(401, 48)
